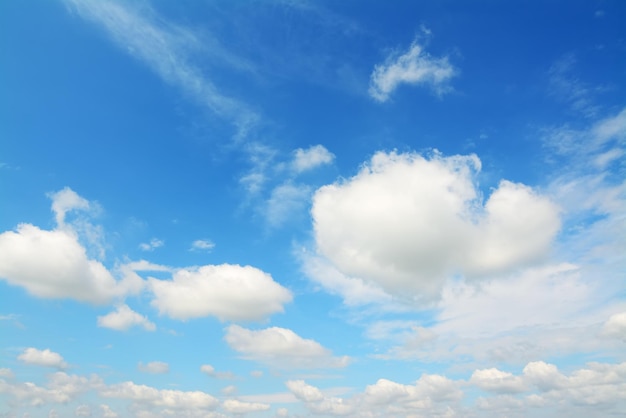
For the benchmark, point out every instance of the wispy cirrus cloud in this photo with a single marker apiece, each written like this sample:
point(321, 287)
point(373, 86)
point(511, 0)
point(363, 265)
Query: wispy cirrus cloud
point(413, 67)
point(168, 50)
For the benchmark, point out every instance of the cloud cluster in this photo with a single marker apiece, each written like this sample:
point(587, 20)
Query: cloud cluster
point(407, 223)
point(54, 264)
point(412, 67)
point(282, 348)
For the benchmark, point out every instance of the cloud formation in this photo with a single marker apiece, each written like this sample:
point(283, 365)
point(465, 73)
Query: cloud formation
point(55, 264)
point(45, 358)
point(228, 292)
point(407, 223)
point(310, 158)
point(415, 67)
point(282, 348)
point(154, 367)
point(124, 318)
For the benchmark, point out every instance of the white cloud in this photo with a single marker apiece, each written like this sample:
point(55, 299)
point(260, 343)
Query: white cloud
point(145, 397)
point(107, 412)
point(234, 406)
point(304, 391)
point(281, 347)
point(407, 223)
point(44, 358)
point(430, 395)
point(7, 373)
point(55, 264)
point(123, 318)
point(210, 371)
point(64, 201)
point(202, 245)
point(310, 158)
point(615, 326)
point(60, 388)
point(413, 67)
point(494, 380)
point(154, 367)
point(354, 290)
point(229, 292)
point(150, 246)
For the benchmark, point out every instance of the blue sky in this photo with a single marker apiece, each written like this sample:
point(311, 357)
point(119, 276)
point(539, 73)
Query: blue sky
point(293, 209)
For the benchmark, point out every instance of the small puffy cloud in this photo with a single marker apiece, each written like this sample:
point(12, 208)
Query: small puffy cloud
point(146, 397)
point(44, 358)
point(210, 371)
point(228, 292)
point(494, 380)
point(6, 373)
point(615, 326)
point(304, 391)
point(202, 245)
point(150, 246)
point(405, 223)
point(310, 158)
point(415, 67)
point(234, 406)
point(124, 318)
point(154, 367)
point(256, 373)
point(281, 347)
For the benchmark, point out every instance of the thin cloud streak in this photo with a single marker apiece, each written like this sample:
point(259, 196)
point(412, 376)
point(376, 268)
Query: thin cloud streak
point(165, 48)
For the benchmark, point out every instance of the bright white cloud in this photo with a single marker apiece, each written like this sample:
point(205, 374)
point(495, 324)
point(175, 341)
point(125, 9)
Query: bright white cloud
point(281, 347)
point(145, 397)
point(124, 318)
point(228, 292)
point(60, 388)
point(45, 358)
point(53, 264)
point(406, 223)
point(234, 406)
point(202, 245)
point(153, 244)
point(154, 367)
point(310, 158)
point(494, 380)
point(304, 391)
point(415, 67)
